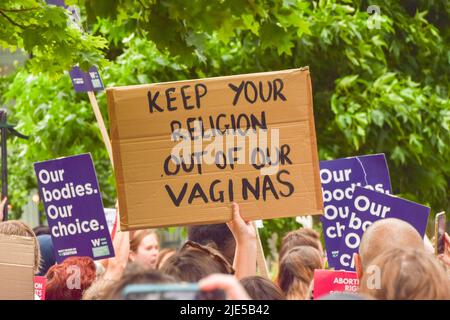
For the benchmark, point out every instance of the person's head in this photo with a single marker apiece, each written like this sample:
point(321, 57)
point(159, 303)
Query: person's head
point(98, 289)
point(144, 248)
point(382, 236)
point(69, 279)
point(194, 262)
point(163, 255)
point(48, 258)
point(259, 288)
point(40, 230)
point(405, 274)
point(296, 271)
point(135, 276)
point(218, 234)
point(300, 237)
point(18, 228)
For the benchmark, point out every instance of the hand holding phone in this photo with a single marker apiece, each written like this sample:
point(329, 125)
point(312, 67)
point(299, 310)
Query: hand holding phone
point(445, 257)
point(228, 283)
point(170, 291)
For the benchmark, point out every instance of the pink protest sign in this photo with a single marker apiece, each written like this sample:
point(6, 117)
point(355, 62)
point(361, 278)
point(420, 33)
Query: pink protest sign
point(39, 288)
point(329, 281)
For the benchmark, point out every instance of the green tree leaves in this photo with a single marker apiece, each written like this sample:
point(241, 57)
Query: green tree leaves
point(375, 90)
point(43, 31)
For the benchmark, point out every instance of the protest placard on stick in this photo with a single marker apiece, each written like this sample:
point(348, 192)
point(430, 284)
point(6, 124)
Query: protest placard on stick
point(339, 178)
point(368, 206)
point(40, 284)
point(176, 163)
point(331, 281)
point(74, 207)
point(90, 82)
point(17, 265)
point(101, 125)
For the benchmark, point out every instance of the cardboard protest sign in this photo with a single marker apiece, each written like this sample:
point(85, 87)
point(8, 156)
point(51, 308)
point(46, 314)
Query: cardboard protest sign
point(152, 124)
point(330, 281)
point(16, 268)
point(74, 207)
point(39, 287)
point(86, 81)
point(339, 178)
point(369, 206)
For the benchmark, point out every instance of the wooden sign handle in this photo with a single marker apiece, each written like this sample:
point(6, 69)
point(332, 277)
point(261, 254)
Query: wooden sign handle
point(101, 124)
point(260, 259)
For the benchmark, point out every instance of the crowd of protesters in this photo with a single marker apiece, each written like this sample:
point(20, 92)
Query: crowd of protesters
point(224, 256)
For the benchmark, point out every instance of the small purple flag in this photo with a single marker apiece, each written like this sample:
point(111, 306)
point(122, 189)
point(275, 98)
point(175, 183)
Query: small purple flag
point(74, 207)
point(339, 178)
point(369, 206)
point(59, 3)
point(84, 82)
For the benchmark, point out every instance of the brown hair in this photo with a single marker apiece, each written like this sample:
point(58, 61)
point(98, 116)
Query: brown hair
point(219, 234)
point(300, 237)
point(296, 271)
point(162, 254)
point(138, 236)
point(194, 262)
point(18, 228)
point(259, 288)
point(406, 274)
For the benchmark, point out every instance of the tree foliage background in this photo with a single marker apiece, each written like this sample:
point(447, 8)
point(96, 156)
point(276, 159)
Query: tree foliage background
point(376, 90)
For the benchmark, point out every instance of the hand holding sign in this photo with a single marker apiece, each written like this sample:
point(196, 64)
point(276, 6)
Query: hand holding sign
point(241, 230)
point(116, 265)
point(244, 233)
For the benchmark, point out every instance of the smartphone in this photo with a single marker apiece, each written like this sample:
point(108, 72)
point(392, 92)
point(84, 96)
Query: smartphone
point(170, 291)
point(439, 233)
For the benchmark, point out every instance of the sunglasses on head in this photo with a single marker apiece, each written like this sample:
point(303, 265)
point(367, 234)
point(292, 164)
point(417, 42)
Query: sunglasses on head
point(211, 252)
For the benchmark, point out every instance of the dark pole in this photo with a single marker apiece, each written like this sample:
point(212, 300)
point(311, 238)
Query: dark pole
point(4, 162)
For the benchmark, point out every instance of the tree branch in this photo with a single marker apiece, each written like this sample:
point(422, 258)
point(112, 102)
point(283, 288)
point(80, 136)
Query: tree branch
point(11, 20)
point(142, 4)
point(19, 10)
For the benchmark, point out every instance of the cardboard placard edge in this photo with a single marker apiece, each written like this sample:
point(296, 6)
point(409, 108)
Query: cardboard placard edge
point(118, 170)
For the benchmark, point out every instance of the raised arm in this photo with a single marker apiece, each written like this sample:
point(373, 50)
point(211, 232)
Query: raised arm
point(245, 235)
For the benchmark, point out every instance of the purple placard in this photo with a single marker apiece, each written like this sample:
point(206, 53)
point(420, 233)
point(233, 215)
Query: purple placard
point(369, 206)
point(84, 82)
point(59, 3)
point(74, 207)
point(96, 81)
point(339, 178)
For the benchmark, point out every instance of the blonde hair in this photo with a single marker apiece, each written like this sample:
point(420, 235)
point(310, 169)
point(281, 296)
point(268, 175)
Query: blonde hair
point(406, 274)
point(18, 228)
point(387, 234)
point(98, 289)
point(138, 236)
point(297, 271)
